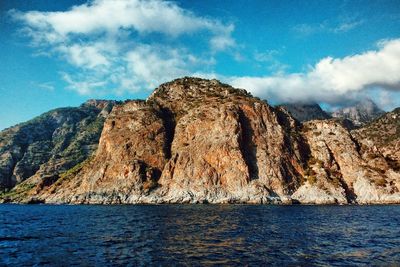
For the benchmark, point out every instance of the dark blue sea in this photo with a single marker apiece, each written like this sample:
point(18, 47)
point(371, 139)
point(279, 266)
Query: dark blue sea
point(199, 235)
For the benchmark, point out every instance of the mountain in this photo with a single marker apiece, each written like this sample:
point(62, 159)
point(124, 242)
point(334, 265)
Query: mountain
point(306, 112)
point(382, 136)
point(361, 113)
point(201, 141)
point(51, 143)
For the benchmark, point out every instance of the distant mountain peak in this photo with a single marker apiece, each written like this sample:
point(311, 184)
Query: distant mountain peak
point(361, 113)
point(193, 87)
point(306, 111)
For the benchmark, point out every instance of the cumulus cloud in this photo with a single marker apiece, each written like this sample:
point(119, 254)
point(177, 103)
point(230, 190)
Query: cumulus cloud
point(111, 16)
point(87, 56)
point(332, 80)
point(108, 41)
point(130, 45)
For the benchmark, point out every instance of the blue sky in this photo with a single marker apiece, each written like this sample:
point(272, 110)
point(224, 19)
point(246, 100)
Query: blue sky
point(61, 53)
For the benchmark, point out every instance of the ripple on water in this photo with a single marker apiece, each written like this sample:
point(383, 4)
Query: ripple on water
point(199, 235)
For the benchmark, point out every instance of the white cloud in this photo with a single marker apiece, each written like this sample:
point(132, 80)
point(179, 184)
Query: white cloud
point(125, 45)
point(130, 45)
point(111, 16)
point(153, 67)
point(84, 86)
point(88, 56)
point(47, 86)
point(332, 80)
point(347, 26)
point(344, 25)
point(269, 60)
point(308, 29)
point(266, 56)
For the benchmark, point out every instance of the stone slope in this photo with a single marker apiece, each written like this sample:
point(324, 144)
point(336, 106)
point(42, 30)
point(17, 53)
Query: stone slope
point(193, 140)
point(51, 143)
point(380, 141)
point(336, 158)
point(306, 112)
point(200, 141)
point(361, 113)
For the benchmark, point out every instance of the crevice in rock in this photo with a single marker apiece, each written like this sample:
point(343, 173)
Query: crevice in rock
point(350, 195)
point(247, 146)
point(149, 176)
point(10, 182)
point(357, 145)
point(169, 124)
point(296, 145)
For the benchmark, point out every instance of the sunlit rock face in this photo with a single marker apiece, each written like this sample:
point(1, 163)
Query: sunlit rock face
point(361, 113)
point(201, 141)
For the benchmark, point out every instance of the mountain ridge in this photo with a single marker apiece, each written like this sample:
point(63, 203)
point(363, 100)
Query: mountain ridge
point(201, 141)
point(65, 136)
point(306, 111)
point(361, 113)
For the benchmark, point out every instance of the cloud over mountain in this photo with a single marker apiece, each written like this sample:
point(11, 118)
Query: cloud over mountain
point(125, 45)
point(114, 47)
point(332, 80)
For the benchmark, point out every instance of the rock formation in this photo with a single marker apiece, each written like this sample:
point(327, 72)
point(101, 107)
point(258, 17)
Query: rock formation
point(361, 113)
point(51, 143)
point(201, 141)
point(306, 111)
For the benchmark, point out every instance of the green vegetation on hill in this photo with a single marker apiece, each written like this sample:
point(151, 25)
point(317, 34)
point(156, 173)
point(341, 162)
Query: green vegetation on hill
point(51, 143)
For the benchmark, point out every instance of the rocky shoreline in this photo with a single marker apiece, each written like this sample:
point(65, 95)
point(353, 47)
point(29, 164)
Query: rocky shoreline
point(201, 141)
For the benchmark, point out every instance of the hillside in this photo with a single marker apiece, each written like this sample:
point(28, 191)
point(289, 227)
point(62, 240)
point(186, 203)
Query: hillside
point(51, 143)
point(361, 113)
point(306, 112)
point(201, 141)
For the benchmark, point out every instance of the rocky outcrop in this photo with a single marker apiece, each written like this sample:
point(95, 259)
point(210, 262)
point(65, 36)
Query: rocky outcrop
point(51, 143)
point(193, 140)
point(337, 166)
point(306, 111)
point(381, 137)
point(361, 113)
point(201, 141)
point(129, 160)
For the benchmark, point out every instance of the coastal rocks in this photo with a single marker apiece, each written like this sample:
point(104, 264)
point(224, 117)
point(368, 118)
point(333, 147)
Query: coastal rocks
point(221, 153)
point(228, 147)
point(335, 153)
point(201, 141)
point(319, 194)
point(128, 162)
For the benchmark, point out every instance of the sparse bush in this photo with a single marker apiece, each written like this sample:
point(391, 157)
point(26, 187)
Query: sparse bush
point(380, 182)
point(312, 179)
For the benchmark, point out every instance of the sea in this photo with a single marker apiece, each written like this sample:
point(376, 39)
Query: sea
point(199, 235)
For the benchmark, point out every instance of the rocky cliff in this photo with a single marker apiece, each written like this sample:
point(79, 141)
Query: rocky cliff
point(201, 141)
point(51, 143)
point(361, 113)
point(306, 111)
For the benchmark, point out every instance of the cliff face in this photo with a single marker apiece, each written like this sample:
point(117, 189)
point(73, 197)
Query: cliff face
point(51, 143)
point(363, 112)
point(197, 140)
point(306, 112)
point(192, 141)
point(338, 165)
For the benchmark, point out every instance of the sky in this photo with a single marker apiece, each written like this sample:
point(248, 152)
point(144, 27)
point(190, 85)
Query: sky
point(62, 53)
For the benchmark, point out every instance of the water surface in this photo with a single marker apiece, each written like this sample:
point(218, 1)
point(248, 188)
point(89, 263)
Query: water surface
point(199, 235)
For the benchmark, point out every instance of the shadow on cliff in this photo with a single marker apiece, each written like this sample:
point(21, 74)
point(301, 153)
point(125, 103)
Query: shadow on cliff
point(247, 146)
point(169, 124)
